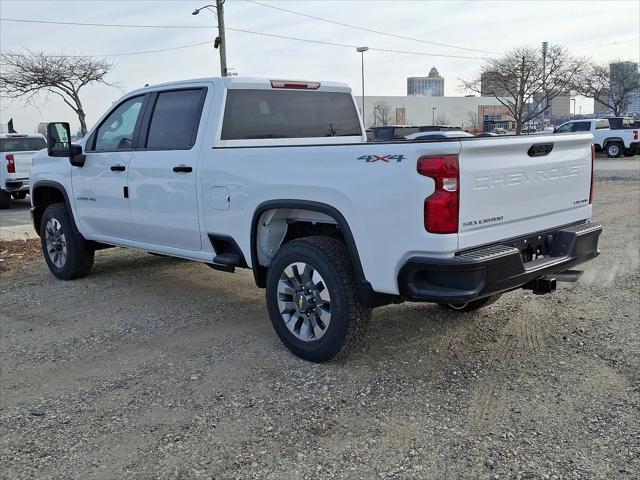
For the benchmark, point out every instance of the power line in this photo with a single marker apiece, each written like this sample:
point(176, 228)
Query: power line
point(369, 29)
point(272, 35)
point(635, 39)
point(123, 54)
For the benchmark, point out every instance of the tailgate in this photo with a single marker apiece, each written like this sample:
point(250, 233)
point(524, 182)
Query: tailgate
point(508, 190)
point(23, 163)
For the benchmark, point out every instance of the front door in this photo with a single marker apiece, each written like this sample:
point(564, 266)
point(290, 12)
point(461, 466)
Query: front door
point(163, 170)
point(99, 186)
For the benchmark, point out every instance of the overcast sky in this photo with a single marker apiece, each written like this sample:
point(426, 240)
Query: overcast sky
point(588, 28)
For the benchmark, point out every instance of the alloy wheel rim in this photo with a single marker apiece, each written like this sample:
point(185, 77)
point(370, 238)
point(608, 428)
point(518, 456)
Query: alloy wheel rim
point(304, 301)
point(614, 150)
point(56, 243)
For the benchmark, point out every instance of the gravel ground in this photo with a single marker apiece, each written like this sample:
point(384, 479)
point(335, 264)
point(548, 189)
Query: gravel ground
point(160, 368)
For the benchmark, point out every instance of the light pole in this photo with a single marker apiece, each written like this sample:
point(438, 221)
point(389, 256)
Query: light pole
point(574, 107)
point(362, 50)
point(221, 40)
point(545, 46)
point(433, 115)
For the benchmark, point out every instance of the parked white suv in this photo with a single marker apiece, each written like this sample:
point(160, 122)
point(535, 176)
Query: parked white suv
point(615, 143)
point(16, 150)
point(277, 176)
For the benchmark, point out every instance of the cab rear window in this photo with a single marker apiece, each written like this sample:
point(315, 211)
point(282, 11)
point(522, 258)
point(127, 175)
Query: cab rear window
point(258, 114)
point(22, 144)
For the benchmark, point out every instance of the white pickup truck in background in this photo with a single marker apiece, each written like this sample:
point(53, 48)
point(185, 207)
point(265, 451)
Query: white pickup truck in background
point(614, 142)
point(277, 176)
point(16, 150)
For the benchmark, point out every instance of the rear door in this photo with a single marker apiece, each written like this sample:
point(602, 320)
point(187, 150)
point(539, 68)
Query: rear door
point(507, 189)
point(163, 172)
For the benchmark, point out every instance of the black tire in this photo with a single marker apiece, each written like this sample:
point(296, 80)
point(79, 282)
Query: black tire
point(5, 200)
point(472, 305)
point(349, 318)
point(614, 149)
point(19, 195)
point(79, 257)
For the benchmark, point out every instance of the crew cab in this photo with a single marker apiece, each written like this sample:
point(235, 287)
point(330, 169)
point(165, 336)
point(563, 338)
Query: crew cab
point(16, 150)
point(614, 142)
point(278, 177)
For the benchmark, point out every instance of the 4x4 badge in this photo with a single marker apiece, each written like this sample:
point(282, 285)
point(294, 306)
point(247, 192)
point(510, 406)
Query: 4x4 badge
point(381, 158)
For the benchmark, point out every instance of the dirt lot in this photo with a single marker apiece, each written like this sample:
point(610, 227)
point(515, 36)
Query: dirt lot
point(158, 368)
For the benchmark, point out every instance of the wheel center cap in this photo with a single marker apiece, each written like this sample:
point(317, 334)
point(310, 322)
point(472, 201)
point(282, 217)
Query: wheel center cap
point(302, 303)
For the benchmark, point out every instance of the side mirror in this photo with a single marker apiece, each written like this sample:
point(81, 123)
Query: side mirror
point(555, 130)
point(59, 144)
point(58, 139)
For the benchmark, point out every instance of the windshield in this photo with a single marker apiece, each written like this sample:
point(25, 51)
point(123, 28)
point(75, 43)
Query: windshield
point(22, 144)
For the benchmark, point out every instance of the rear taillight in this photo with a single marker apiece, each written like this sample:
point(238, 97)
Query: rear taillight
point(442, 207)
point(635, 134)
point(593, 160)
point(11, 163)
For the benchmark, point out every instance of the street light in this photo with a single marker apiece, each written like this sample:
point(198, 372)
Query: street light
point(220, 41)
point(362, 50)
point(433, 116)
point(574, 107)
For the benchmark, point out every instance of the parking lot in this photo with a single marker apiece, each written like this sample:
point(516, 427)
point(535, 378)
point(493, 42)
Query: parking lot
point(160, 368)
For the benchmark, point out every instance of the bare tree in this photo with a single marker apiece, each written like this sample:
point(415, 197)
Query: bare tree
point(472, 119)
point(381, 115)
point(520, 83)
point(442, 119)
point(610, 85)
point(29, 76)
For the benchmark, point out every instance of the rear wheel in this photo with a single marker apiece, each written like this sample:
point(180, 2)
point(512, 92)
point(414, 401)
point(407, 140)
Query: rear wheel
point(471, 305)
point(312, 299)
point(5, 199)
point(614, 150)
point(64, 250)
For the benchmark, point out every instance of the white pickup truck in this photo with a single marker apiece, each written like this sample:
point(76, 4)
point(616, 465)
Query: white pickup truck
point(16, 150)
point(613, 142)
point(277, 176)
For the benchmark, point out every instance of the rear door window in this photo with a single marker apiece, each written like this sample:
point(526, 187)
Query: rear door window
point(582, 126)
point(175, 120)
point(22, 144)
point(259, 114)
point(602, 124)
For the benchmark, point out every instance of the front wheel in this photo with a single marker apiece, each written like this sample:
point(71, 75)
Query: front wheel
point(614, 150)
point(471, 305)
point(19, 195)
point(64, 250)
point(312, 299)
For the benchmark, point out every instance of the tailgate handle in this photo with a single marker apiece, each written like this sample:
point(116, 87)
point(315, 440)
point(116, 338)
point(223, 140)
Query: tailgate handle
point(540, 149)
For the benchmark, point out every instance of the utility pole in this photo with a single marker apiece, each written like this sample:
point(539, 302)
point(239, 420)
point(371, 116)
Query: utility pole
point(433, 115)
point(223, 38)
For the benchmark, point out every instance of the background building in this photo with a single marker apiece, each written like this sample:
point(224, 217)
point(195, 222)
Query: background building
point(491, 117)
point(431, 86)
point(417, 110)
point(489, 85)
point(618, 71)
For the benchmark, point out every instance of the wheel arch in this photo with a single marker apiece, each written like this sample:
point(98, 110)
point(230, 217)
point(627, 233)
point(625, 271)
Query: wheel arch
point(609, 140)
point(259, 271)
point(43, 194)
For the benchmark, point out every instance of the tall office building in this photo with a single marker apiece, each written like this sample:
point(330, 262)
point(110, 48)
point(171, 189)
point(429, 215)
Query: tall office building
point(619, 72)
point(431, 86)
